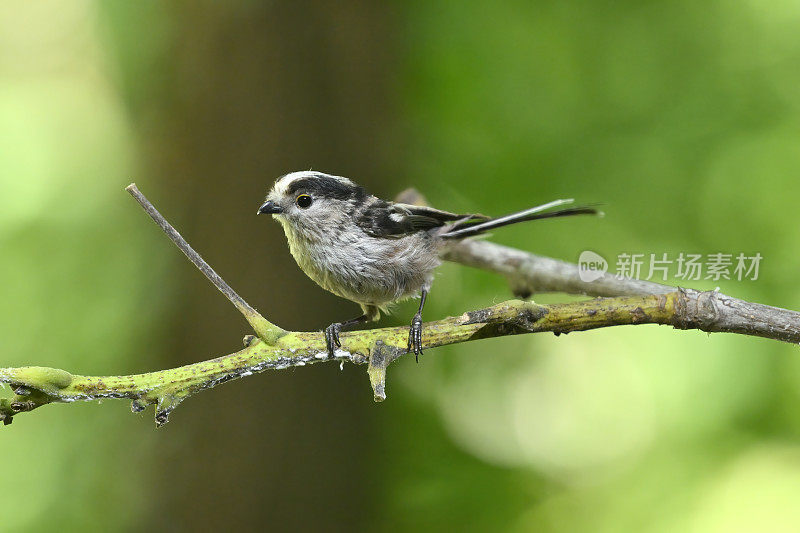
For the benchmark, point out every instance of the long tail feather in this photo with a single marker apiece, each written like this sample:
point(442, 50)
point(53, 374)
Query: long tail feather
point(471, 228)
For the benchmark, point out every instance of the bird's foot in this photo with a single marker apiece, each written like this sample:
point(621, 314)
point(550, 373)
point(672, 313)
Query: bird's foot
point(332, 338)
point(415, 336)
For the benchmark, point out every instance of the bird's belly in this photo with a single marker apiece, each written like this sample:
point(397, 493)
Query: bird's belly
point(373, 271)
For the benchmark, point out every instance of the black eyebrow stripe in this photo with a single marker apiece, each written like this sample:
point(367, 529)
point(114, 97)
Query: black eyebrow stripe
point(327, 187)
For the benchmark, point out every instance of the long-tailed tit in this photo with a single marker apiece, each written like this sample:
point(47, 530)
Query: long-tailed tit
point(371, 251)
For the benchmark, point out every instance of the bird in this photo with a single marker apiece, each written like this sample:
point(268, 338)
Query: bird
point(376, 252)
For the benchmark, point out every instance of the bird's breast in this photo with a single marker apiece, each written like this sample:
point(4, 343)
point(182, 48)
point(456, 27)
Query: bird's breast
point(365, 269)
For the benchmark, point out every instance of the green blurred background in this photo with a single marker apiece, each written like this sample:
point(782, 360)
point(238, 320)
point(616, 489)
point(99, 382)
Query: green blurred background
point(682, 117)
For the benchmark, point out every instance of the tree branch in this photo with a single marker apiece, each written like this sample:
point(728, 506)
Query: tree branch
point(266, 330)
point(529, 273)
point(633, 302)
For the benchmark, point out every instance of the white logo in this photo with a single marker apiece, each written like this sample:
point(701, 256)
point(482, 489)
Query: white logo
point(591, 266)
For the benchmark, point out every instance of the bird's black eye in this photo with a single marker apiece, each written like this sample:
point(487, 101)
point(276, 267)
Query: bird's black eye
point(303, 201)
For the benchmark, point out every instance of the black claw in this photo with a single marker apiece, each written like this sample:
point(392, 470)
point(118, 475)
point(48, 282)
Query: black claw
point(415, 337)
point(332, 338)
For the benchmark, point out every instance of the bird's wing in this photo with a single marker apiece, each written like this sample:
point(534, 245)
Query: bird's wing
point(393, 220)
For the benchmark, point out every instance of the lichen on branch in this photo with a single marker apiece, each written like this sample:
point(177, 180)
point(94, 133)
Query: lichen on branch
point(272, 348)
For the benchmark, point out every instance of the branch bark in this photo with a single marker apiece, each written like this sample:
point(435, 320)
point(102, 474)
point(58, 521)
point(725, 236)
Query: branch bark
point(623, 302)
point(265, 329)
point(529, 273)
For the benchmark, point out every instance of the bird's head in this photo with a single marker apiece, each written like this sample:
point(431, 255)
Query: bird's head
point(312, 203)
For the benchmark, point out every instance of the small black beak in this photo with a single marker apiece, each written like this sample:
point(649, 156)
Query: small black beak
point(270, 208)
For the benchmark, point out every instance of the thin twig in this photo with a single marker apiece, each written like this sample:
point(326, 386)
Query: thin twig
point(266, 330)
